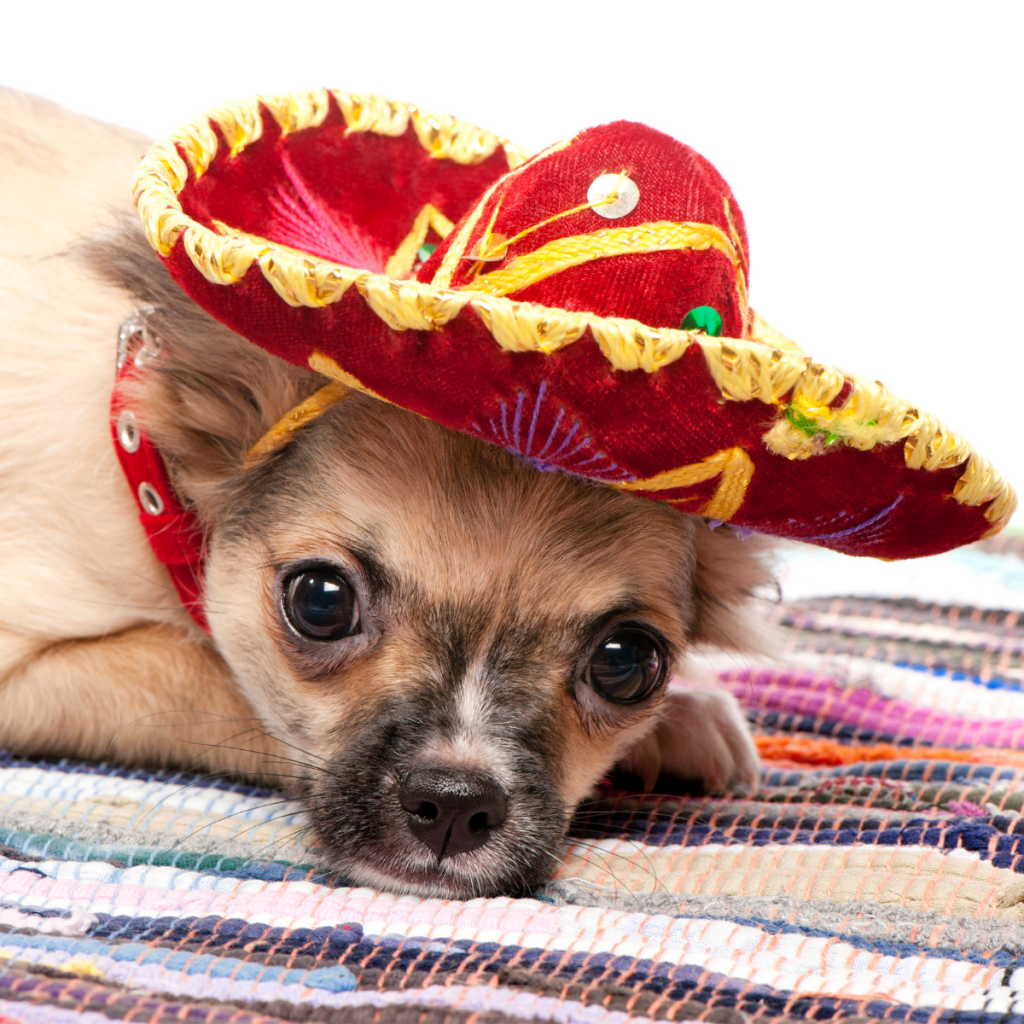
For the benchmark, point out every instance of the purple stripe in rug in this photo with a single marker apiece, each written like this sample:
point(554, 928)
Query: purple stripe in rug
point(823, 697)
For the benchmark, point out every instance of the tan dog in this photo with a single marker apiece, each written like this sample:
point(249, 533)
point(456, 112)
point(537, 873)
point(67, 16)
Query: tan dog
point(439, 647)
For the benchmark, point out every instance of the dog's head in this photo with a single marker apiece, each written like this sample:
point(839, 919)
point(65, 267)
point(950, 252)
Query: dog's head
point(452, 646)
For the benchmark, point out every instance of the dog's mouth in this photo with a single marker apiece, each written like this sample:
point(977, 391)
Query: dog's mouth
point(463, 877)
point(441, 831)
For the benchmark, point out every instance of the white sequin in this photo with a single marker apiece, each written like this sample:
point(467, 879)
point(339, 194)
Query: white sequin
point(627, 195)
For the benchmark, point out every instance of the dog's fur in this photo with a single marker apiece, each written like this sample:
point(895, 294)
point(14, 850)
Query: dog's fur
point(483, 584)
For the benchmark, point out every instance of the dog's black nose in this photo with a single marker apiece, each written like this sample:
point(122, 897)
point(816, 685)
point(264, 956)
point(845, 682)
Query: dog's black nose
point(451, 810)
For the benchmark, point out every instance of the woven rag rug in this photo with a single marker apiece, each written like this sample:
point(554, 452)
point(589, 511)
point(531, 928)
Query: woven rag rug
point(878, 873)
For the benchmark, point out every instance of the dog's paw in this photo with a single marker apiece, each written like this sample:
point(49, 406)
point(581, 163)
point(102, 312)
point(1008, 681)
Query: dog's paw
point(702, 735)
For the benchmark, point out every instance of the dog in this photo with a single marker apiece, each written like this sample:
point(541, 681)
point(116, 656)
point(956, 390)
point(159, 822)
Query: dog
point(440, 649)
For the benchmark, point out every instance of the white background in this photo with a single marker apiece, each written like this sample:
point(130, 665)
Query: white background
point(875, 148)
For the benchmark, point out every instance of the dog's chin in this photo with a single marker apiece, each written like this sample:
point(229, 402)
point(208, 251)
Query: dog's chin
point(447, 880)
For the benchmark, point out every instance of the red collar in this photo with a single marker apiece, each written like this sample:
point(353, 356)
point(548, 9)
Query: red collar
point(173, 531)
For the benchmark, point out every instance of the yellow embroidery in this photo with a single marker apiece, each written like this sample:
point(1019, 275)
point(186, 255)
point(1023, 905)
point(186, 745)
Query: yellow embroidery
point(280, 433)
point(329, 368)
point(562, 253)
point(493, 247)
point(444, 273)
point(741, 284)
point(401, 263)
point(490, 246)
point(734, 466)
point(737, 241)
point(457, 250)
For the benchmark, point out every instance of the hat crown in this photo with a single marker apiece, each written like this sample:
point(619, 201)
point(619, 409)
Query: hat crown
point(680, 243)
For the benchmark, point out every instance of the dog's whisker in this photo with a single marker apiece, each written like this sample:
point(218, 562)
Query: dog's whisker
point(649, 870)
point(209, 824)
point(198, 781)
point(267, 756)
point(291, 839)
point(261, 731)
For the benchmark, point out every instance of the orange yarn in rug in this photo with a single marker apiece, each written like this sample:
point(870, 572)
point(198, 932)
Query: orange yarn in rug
point(827, 752)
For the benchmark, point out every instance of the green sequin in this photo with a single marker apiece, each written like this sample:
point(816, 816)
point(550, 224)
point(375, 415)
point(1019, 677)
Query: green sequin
point(703, 318)
point(425, 251)
point(808, 426)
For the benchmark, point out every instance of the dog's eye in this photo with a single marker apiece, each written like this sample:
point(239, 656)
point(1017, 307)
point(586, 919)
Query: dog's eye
point(321, 605)
point(627, 667)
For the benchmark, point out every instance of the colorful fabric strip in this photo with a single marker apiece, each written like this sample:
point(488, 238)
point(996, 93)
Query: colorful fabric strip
point(818, 696)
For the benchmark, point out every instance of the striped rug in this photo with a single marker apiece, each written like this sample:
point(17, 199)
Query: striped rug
point(878, 873)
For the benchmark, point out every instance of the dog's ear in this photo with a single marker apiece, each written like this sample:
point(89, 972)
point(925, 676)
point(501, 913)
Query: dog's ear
point(732, 570)
point(209, 395)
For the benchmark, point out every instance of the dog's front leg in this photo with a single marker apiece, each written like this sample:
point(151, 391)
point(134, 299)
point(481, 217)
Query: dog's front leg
point(150, 695)
point(701, 735)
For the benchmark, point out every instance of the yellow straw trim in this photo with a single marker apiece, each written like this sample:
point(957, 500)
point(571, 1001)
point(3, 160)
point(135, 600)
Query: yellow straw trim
point(742, 369)
point(163, 173)
point(735, 467)
point(401, 263)
point(981, 483)
point(762, 331)
point(563, 253)
point(280, 433)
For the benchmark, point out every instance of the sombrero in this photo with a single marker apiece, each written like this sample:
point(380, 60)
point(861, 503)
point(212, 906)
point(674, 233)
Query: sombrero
point(585, 308)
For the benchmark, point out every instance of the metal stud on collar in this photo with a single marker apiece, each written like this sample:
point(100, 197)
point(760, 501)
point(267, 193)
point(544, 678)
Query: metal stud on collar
point(128, 435)
point(135, 331)
point(150, 500)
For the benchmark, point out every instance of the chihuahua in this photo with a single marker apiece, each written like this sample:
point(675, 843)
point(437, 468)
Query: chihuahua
point(439, 648)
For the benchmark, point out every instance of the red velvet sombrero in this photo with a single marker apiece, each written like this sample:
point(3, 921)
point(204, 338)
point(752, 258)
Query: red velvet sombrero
point(585, 308)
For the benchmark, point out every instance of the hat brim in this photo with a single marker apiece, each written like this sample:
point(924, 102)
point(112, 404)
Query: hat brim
point(252, 205)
